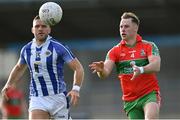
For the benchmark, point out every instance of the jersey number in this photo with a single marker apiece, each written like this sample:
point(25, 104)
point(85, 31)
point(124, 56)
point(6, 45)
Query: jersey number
point(132, 55)
point(36, 68)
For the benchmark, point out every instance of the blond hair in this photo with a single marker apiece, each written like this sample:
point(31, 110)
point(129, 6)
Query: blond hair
point(127, 15)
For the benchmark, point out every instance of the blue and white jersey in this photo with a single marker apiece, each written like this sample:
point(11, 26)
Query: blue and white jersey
point(45, 64)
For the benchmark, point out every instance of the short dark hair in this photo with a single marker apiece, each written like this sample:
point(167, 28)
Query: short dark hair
point(37, 18)
point(127, 15)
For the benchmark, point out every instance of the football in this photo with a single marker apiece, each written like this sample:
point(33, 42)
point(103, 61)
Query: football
point(50, 13)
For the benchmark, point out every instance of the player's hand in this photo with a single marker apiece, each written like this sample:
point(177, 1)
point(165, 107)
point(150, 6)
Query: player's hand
point(4, 92)
point(74, 97)
point(136, 71)
point(97, 66)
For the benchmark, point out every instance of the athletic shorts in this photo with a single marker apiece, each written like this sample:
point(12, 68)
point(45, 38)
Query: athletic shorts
point(56, 105)
point(135, 109)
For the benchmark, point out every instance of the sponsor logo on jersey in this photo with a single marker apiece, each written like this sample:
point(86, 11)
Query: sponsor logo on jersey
point(48, 53)
point(143, 52)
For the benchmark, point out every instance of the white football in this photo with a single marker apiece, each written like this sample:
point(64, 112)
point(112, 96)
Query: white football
point(50, 13)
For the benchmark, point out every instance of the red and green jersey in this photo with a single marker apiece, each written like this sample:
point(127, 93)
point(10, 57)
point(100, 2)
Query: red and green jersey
point(123, 55)
point(13, 105)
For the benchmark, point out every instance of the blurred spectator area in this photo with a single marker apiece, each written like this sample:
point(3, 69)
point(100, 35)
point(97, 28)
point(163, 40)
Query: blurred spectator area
point(8, 60)
point(89, 18)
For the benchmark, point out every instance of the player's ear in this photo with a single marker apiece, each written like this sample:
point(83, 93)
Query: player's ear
point(32, 30)
point(136, 28)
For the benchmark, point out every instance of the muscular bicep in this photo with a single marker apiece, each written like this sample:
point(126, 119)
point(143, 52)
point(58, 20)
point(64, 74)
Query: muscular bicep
point(74, 64)
point(19, 69)
point(154, 58)
point(154, 64)
point(20, 66)
point(16, 73)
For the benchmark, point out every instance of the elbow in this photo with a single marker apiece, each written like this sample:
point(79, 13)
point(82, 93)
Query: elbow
point(158, 66)
point(157, 69)
point(81, 69)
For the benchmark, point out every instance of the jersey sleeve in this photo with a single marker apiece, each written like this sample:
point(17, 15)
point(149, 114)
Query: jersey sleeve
point(153, 49)
point(111, 55)
point(66, 54)
point(22, 56)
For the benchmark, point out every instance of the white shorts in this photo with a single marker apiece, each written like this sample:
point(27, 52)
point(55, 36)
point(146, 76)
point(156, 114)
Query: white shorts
point(56, 105)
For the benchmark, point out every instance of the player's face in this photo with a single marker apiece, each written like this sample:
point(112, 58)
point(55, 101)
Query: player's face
point(40, 30)
point(127, 29)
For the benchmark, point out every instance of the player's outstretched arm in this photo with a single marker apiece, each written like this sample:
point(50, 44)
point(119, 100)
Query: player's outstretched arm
point(103, 69)
point(78, 69)
point(14, 76)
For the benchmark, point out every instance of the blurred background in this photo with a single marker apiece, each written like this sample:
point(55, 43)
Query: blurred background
point(90, 28)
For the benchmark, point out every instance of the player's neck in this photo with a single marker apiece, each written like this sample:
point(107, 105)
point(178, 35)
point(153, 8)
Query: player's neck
point(131, 42)
point(40, 42)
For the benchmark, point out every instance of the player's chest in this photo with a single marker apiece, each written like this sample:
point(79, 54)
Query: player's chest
point(39, 54)
point(128, 53)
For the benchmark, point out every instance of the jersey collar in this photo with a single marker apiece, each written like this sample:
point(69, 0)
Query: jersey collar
point(47, 39)
point(138, 39)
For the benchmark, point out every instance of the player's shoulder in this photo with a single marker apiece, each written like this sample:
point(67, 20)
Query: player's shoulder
point(27, 45)
point(115, 48)
point(58, 45)
point(56, 42)
point(147, 42)
point(117, 45)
